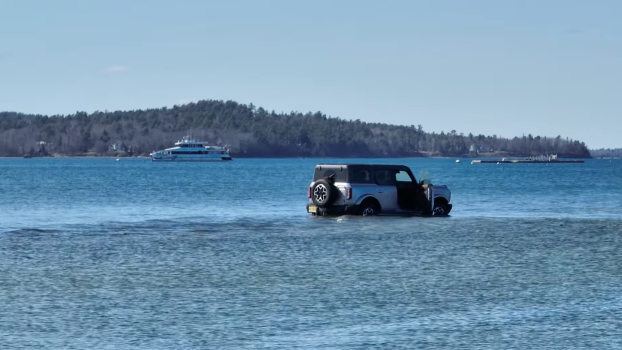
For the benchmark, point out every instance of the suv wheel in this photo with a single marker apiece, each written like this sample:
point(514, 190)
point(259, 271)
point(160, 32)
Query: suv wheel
point(323, 193)
point(440, 209)
point(369, 208)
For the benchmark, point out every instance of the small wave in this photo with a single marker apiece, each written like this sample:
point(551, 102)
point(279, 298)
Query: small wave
point(23, 231)
point(146, 225)
point(199, 225)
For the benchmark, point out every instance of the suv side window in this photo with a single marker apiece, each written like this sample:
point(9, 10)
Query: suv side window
point(402, 176)
point(362, 176)
point(384, 177)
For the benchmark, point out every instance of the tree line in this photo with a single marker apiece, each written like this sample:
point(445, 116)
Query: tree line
point(606, 152)
point(252, 132)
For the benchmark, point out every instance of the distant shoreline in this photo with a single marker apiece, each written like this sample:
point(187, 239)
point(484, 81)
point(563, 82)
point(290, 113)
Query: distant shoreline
point(287, 157)
point(254, 132)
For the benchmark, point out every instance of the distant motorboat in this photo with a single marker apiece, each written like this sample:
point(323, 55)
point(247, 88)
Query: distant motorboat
point(189, 150)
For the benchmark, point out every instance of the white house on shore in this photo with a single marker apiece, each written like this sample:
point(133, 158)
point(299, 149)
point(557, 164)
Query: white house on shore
point(480, 148)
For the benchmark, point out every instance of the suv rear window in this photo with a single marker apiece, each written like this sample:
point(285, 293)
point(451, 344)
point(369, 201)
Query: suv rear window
point(341, 173)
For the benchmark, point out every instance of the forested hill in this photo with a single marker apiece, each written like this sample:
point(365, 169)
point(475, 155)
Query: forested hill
point(251, 132)
point(615, 152)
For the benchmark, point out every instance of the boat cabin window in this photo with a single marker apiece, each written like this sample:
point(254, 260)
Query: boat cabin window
point(188, 152)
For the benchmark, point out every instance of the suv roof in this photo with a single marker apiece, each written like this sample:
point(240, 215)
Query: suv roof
point(348, 172)
point(333, 165)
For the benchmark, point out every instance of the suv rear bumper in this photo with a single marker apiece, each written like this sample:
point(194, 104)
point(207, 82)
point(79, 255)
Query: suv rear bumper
point(333, 209)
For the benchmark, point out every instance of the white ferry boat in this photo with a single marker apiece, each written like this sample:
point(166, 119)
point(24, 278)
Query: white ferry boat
point(188, 150)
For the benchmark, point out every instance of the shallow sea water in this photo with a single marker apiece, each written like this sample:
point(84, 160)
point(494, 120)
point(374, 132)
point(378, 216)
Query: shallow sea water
point(101, 254)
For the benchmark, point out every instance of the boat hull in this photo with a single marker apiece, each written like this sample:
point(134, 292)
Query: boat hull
point(193, 159)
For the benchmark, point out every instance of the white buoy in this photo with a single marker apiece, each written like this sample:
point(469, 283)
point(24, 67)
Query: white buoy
point(117, 159)
point(457, 160)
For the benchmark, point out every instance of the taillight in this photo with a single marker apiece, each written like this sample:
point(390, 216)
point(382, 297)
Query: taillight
point(309, 192)
point(349, 193)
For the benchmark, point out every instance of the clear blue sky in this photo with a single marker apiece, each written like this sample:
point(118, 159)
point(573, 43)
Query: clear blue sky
point(493, 67)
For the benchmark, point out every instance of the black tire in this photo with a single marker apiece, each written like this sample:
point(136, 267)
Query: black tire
point(440, 209)
point(323, 193)
point(369, 208)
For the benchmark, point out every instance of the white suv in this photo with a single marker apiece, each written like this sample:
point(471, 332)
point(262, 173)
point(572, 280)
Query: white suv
point(374, 189)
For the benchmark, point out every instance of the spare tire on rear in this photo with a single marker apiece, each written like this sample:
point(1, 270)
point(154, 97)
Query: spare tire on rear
point(323, 193)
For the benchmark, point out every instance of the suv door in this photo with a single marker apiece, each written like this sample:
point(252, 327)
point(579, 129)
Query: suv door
point(407, 190)
point(386, 191)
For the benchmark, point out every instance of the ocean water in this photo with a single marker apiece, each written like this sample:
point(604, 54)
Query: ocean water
point(98, 254)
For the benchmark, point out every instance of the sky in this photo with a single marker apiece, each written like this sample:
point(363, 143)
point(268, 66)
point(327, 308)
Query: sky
point(506, 68)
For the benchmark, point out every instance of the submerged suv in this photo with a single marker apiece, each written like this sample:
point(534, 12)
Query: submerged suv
point(374, 189)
